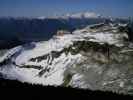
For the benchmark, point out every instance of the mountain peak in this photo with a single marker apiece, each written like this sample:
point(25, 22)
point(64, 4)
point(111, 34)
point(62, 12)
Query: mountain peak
point(75, 15)
point(83, 15)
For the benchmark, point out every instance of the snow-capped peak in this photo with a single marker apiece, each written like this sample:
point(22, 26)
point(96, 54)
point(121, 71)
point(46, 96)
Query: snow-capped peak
point(83, 15)
point(85, 59)
point(74, 15)
point(41, 17)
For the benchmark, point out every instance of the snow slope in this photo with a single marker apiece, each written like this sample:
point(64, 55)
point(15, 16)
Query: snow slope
point(49, 65)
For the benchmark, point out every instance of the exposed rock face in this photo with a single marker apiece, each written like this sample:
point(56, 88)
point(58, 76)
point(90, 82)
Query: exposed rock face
point(90, 60)
point(130, 32)
point(62, 32)
point(127, 29)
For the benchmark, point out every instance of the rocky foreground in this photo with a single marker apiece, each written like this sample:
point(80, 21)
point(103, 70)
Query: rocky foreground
point(16, 89)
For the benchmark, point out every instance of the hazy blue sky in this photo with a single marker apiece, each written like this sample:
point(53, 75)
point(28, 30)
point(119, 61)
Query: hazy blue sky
point(34, 8)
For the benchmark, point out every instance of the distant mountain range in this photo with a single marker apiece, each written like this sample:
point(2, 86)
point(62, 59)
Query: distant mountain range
point(75, 15)
point(14, 31)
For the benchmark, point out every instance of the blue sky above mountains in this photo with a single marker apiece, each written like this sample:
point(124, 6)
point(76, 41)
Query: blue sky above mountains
point(35, 8)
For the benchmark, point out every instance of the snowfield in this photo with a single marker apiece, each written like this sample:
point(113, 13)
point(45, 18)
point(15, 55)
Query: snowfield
point(53, 62)
point(21, 55)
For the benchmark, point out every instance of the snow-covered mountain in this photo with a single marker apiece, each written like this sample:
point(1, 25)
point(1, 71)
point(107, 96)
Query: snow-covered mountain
point(95, 58)
point(17, 31)
point(83, 15)
point(79, 15)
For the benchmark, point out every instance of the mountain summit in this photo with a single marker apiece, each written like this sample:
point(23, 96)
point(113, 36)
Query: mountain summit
point(83, 15)
point(74, 15)
point(96, 57)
